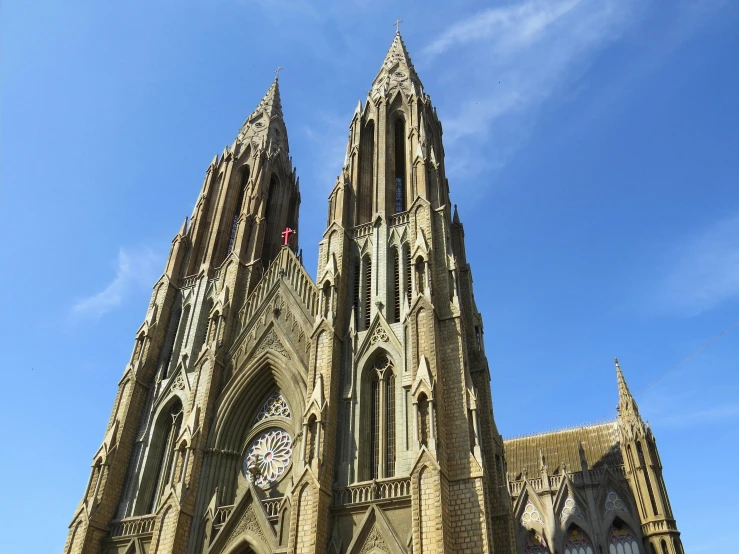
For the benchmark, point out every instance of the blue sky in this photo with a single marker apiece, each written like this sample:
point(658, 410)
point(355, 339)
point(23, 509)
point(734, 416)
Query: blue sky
point(592, 147)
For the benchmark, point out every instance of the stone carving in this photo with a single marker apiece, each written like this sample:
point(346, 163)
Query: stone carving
point(248, 522)
point(271, 342)
point(374, 540)
point(179, 382)
point(380, 335)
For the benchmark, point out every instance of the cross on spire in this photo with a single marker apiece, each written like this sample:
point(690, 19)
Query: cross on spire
point(397, 25)
point(277, 72)
point(286, 235)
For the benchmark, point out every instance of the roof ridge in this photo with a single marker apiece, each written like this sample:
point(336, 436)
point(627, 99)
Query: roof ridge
point(561, 429)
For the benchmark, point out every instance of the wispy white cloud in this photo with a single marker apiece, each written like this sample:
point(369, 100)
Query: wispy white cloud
point(513, 27)
point(509, 60)
point(136, 269)
point(702, 271)
point(698, 417)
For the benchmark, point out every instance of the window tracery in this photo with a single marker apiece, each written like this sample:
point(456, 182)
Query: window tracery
point(535, 544)
point(268, 456)
point(621, 540)
point(571, 508)
point(614, 503)
point(275, 406)
point(530, 514)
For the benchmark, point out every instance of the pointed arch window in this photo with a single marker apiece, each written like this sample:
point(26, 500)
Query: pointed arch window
point(399, 169)
point(621, 540)
point(367, 291)
point(166, 437)
point(423, 420)
point(577, 542)
point(395, 285)
point(366, 173)
point(356, 292)
point(273, 219)
point(408, 272)
point(647, 479)
point(381, 398)
point(169, 341)
point(535, 543)
point(237, 209)
point(420, 275)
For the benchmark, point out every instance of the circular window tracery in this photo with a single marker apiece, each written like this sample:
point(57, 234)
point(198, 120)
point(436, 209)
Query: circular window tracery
point(268, 456)
point(382, 362)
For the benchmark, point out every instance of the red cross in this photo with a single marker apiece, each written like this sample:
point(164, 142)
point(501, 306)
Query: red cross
point(286, 235)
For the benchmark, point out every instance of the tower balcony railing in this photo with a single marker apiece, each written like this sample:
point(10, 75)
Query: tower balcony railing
point(370, 491)
point(133, 526)
point(400, 218)
point(577, 477)
point(363, 230)
point(271, 508)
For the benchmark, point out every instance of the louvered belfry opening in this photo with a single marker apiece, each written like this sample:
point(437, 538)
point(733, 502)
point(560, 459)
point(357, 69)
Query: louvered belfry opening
point(399, 170)
point(395, 257)
point(367, 291)
point(390, 424)
point(366, 173)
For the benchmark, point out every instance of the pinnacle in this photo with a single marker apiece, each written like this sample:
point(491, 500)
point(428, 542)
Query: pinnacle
point(271, 103)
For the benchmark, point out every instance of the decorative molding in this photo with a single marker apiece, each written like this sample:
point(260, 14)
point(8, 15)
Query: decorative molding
point(380, 335)
point(272, 343)
point(374, 540)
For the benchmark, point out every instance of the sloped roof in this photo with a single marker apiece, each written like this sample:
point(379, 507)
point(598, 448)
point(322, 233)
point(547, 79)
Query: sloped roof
point(600, 443)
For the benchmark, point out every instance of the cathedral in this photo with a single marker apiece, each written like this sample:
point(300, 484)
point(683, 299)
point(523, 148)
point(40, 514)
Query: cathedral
point(263, 411)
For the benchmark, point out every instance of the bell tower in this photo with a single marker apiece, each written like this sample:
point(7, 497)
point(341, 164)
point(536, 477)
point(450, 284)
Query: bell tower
point(644, 473)
point(141, 494)
point(415, 406)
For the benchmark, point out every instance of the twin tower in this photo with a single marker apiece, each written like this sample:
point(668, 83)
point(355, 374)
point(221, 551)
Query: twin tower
point(262, 412)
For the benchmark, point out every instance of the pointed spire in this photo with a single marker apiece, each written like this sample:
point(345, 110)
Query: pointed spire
point(397, 69)
point(455, 219)
point(270, 125)
point(626, 402)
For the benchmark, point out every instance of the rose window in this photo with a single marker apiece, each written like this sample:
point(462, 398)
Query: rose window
point(268, 456)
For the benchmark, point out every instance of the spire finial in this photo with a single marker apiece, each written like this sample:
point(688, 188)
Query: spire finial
point(397, 26)
point(277, 72)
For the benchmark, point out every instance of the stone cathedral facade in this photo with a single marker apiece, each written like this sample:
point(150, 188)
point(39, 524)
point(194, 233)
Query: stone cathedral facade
point(265, 412)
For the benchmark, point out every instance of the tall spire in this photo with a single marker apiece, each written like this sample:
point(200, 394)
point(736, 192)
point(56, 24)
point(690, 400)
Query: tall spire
point(626, 402)
point(265, 124)
point(397, 69)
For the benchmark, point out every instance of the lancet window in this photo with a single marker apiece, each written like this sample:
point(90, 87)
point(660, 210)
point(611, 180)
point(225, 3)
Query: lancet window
point(163, 448)
point(381, 398)
point(366, 173)
point(643, 464)
point(237, 209)
point(367, 263)
point(400, 176)
point(273, 218)
point(395, 285)
point(423, 420)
